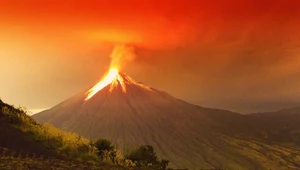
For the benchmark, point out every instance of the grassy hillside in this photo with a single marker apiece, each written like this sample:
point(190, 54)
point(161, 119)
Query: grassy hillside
point(45, 137)
point(26, 144)
point(10, 159)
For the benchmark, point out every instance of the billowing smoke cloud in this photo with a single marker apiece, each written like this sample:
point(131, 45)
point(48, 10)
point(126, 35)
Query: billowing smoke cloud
point(230, 48)
point(120, 55)
point(153, 24)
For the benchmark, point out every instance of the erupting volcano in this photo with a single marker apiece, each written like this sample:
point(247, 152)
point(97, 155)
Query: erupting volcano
point(130, 114)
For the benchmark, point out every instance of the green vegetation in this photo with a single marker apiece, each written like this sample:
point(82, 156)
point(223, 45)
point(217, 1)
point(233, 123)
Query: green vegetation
point(145, 156)
point(63, 143)
point(103, 145)
point(11, 160)
point(273, 156)
point(70, 148)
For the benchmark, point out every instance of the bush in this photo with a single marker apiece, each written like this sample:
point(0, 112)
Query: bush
point(103, 145)
point(145, 156)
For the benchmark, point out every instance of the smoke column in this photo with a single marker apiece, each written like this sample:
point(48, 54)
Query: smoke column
point(120, 55)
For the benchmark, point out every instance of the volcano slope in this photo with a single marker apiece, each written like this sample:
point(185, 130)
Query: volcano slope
point(187, 135)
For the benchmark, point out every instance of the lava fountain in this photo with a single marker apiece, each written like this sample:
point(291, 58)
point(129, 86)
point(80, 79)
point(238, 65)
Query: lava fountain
point(119, 56)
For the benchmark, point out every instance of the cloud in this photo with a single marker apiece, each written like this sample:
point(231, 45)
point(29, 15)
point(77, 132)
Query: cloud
point(149, 23)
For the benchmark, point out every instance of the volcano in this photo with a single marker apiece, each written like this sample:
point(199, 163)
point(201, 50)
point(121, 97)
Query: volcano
point(130, 114)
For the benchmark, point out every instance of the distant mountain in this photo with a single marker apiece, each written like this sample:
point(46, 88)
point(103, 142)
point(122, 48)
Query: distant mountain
point(130, 114)
point(281, 126)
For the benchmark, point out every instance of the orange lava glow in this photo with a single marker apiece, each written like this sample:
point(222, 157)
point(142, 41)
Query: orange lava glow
point(112, 78)
point(119, 56)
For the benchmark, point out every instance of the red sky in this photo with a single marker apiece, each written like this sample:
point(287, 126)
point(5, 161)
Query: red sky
point(237, 55)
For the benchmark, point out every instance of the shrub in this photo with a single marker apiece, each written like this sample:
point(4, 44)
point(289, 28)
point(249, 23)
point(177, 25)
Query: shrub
point(145, 156)
point(103, 145)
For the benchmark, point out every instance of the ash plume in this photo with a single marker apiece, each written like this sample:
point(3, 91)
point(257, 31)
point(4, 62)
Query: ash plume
point(122, 54)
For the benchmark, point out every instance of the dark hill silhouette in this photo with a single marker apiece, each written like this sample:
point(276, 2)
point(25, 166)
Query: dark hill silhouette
point(13, 139)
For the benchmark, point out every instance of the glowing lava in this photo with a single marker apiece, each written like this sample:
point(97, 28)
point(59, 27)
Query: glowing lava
point(119, 56)
point(113, 78)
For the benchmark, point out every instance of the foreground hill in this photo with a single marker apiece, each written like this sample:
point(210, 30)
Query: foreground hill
point(189, 136)
point(12, 138)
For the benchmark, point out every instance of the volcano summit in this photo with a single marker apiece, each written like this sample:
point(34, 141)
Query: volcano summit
point(130, 114)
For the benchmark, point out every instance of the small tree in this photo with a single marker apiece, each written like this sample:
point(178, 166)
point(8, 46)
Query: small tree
point(103, 145)
point(145, 156)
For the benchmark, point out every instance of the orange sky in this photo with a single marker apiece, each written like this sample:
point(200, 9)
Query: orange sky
point(237, 55)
